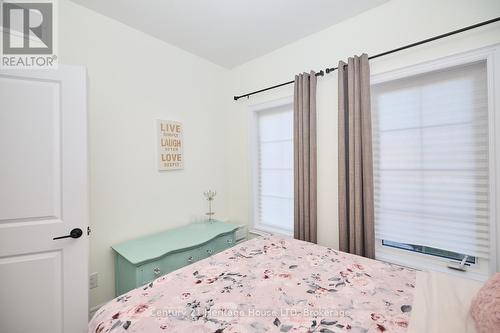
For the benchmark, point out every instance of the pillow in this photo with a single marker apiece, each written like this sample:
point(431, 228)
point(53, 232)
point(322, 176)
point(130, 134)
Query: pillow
point(485, 307)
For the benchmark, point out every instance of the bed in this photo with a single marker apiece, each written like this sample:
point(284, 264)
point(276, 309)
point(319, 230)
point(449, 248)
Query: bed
point(268, 284)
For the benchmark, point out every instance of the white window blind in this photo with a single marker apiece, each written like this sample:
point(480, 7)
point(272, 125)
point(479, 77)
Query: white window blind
point(274, 206)
point(430, 143)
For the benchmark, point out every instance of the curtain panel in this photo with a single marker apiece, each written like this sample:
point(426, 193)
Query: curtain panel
point(355, 164)
point(304, 141)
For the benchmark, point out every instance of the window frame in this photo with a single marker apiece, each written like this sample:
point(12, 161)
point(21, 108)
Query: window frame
point(254, 111)
point(483, 268)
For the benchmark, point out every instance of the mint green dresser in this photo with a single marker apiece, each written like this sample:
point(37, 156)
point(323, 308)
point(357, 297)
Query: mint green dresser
point(140, 261)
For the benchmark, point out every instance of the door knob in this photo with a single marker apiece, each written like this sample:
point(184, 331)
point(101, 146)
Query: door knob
point(75, 233)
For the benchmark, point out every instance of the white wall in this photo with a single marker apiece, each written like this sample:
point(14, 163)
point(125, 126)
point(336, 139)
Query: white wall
point(135, 79)
point(394, 24)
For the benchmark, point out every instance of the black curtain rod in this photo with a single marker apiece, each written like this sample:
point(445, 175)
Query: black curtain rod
point(329, 70)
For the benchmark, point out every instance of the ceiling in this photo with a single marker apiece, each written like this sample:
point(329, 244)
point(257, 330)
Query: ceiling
point(229, 32)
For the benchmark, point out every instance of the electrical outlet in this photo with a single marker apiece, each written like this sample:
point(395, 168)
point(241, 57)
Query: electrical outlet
point(93, 281)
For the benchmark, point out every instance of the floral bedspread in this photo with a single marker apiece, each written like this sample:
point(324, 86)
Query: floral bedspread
point(268, 284)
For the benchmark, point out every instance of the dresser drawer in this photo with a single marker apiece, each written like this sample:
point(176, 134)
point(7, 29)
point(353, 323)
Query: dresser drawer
point(222, 243)
point(150, 271)
point(180, 259)
point(207, 250)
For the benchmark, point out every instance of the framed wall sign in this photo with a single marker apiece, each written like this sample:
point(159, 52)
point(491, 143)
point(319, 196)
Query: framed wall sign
point(170, 145)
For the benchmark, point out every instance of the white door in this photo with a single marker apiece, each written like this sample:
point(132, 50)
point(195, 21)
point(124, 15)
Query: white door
point(43, 195)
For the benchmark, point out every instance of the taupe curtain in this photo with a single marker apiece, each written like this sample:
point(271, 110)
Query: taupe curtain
point(355, 169)
point(304, 142)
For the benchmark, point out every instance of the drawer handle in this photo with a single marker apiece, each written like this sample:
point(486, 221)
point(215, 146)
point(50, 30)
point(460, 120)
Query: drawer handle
point(156, 270)
point(190, 258)
point(210, 251)
point(229, 241)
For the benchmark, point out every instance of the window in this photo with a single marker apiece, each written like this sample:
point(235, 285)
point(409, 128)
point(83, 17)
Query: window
point(431, 163)
point(273, 168)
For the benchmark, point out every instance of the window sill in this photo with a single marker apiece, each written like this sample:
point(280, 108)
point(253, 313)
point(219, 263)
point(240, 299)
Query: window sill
point(262, 230)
